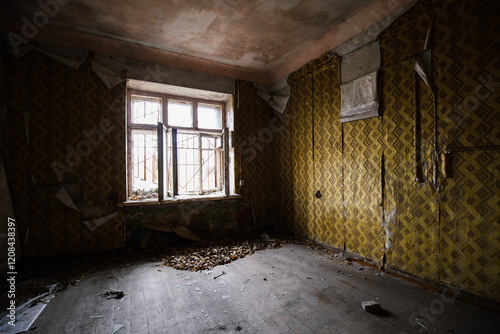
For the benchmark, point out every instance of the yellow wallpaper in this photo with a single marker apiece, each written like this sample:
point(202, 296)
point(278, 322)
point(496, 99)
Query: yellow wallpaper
point(327, 154)
point(467, 71)
point(389, 193)
point(443, 227)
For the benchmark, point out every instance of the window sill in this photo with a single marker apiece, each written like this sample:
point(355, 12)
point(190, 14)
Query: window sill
point(180, 199)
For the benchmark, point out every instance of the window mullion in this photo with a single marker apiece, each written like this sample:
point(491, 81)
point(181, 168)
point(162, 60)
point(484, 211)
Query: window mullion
point(175, 185)
point(161, 161)
point(195, 115)
point(164, 104)
point(200, 161)
point(225, 144)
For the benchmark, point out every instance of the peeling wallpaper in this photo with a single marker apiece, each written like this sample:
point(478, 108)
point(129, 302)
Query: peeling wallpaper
point(76, 135)
point(443, 227)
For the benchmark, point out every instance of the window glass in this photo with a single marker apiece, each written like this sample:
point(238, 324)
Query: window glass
point(196, 127)
point(146, 110)
point(209, 116)
point(180, 114)
point(188, 170)
point(145, 164)
point(209, 162)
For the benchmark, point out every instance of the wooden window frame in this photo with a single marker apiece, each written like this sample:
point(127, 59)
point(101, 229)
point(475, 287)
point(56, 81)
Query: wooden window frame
point(223, 133)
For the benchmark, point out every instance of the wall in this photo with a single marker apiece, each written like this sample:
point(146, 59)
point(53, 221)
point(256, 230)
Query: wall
point(443, 227)
point(76, 132)
point(256, 129)
point(53, 106)
point(200, 220)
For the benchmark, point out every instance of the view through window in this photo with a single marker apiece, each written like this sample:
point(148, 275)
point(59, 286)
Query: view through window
point(176, 146)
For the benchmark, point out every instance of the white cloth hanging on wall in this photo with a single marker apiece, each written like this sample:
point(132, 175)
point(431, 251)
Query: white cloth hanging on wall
point(359, 83)
point(359, 98)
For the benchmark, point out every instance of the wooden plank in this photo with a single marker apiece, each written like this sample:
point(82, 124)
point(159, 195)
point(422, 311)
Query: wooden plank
point(188, 304)
point(284, 294)
point(107, 307)
point(168, 301)
point(137, 302)
point(93, 301)
point(55, 307)
point(122, 307)
point(161, 313)
point(236, 307)
point(258, 300)
point(339, 289)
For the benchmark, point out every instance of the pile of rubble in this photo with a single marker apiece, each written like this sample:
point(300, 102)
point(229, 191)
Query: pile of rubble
point(207, 256)
point(141, 194)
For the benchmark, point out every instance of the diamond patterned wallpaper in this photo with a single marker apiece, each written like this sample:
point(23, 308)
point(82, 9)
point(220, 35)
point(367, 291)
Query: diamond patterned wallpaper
point(327, 154)
point(255, 132)
point(59, 118)
point(467, 69)
point(388, 187)
point(390, 192)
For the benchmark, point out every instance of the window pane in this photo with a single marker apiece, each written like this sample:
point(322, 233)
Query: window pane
point(210, 163)
point(180, 114)
point(188, 171)
point(170, 164)
point(146, 110)
point(145, 164)
point(209, 116)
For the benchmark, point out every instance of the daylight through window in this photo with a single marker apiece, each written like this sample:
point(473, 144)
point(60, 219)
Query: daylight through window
point(176, 146)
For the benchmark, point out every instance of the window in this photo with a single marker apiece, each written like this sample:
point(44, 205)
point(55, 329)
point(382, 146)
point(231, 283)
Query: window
point(177, 146)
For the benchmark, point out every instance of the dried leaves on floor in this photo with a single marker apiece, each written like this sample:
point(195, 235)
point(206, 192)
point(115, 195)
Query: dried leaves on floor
point(206, 257)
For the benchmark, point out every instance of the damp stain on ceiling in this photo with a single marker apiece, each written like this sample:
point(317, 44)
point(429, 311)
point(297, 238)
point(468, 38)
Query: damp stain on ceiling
point(256, 40)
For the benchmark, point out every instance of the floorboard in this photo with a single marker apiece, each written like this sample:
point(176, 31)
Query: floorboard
point(293, 289)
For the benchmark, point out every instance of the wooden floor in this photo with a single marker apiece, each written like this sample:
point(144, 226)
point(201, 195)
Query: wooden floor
point(293, 289)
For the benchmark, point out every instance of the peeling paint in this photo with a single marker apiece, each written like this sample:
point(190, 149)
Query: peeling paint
point(388, 219)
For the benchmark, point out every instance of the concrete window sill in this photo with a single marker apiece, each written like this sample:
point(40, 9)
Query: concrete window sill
point(180, 199)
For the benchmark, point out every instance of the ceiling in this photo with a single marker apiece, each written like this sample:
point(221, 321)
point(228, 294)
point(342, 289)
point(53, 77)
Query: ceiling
point(255, 40)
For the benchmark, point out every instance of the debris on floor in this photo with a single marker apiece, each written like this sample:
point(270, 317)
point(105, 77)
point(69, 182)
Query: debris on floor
point(21, 318)
point(371, 306)
point(222, 273)
point(206, 257)
point(74, 280)
point(245, 284)
point(420, 321)
point(117, 327)
point(113, 294)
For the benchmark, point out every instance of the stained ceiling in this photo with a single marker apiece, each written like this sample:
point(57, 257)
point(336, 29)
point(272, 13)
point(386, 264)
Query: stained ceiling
point(255, 40)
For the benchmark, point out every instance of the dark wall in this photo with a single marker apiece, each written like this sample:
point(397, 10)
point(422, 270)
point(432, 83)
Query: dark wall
point(76, 131)
point(76, 136)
